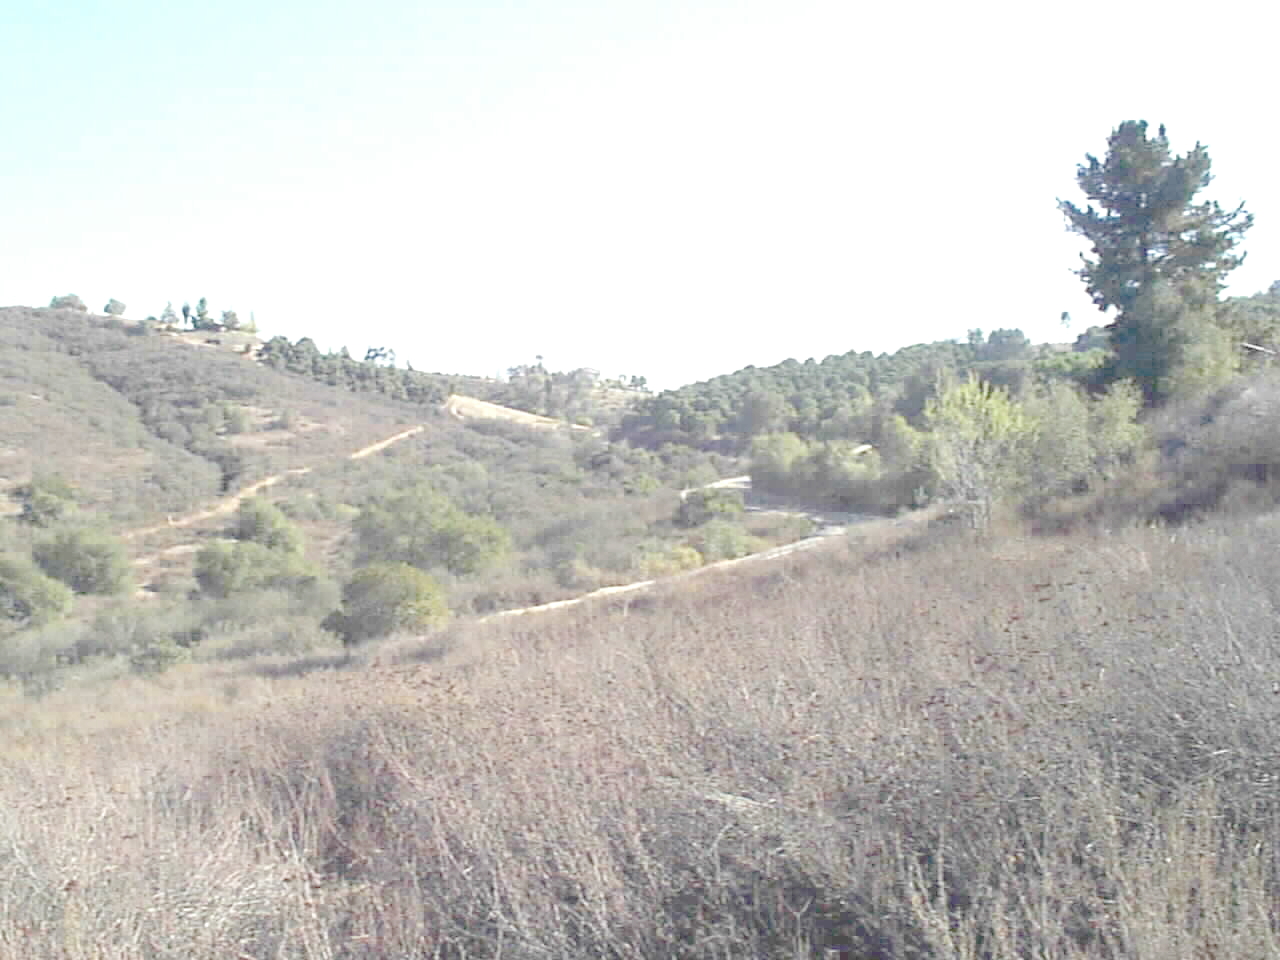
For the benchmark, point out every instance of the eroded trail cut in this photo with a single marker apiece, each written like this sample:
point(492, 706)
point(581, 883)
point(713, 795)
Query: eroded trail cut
point(145, 566)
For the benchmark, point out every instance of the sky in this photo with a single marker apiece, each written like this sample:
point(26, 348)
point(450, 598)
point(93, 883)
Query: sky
point(665, 188)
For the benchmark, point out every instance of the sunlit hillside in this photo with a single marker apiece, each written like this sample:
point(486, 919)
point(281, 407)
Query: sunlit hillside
point(925, 745)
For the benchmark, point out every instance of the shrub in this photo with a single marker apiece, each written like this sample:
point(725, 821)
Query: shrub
point(981, 444)
point(235, 420)
point(659, 562)
point(114, 308)
point(423, 528)
point(88, 561)
point(223, 569)
point(384, 598)
point(259, 521)
point(45, 500)
point(68, 302)
point(699, 506)
point(723, 539)
point(27, 596)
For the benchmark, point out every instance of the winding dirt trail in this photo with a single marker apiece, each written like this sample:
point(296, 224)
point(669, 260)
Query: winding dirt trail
point(828, 525)
point(469, 408)
point(231, 503)
point(458, 406)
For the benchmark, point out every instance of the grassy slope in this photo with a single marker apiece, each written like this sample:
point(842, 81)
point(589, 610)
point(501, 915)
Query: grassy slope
point(131, 421)
point(160, 435)
point(1057, 748)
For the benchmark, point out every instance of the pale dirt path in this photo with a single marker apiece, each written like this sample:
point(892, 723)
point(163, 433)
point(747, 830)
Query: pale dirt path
point(469, 408)
point(829, 525)
point(458, 406)
point(232, 503)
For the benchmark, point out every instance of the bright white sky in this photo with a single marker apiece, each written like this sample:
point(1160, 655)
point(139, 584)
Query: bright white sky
point(672, 188)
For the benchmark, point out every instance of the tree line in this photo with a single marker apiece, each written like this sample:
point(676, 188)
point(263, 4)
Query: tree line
point(993, 412)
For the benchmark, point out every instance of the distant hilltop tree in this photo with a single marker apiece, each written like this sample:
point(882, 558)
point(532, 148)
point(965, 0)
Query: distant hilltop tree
point(69, 302)
point(114, 308)
point(168, 317)
point(229, 320)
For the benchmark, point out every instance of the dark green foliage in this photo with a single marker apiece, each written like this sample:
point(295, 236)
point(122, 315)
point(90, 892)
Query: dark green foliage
point(699, 506)
point(1147, 225)
point(46, 499)
point(723, 538)
point(847, 397)
point(1254, 321)
point(340, 370)
point(569, 395)
point(28, 597)
point(1158, 257)
point(114, 308)
point(69, 302)
point(836, 472)
point(88, 561)
point(1095, 338)
point(226, 569)
point(421, 527)
point(259, 521)
point(385, 598)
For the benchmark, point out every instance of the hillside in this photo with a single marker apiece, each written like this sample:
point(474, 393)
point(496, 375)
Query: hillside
point(925, 745)
point(144, 426)
point(661, 719)
point(207, 486)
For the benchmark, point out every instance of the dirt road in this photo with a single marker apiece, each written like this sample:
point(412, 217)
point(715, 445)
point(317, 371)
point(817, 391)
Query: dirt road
point(827, 524)
point(231, 502)
point(469, 408)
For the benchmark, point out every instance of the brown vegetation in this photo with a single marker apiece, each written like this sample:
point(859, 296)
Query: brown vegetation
point(926, 747)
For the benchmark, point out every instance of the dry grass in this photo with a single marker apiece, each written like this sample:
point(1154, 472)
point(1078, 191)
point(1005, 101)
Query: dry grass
point(469, 408)
point(1003, 749)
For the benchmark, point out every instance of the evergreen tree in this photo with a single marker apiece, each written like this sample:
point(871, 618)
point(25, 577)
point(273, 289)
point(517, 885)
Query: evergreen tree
point(1158, 257)
point(68, 302)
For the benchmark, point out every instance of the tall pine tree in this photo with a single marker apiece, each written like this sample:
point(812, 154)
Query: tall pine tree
point(1159, 258)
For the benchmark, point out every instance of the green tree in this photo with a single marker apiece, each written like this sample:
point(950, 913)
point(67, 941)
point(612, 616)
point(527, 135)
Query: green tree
point(259, 521)
point(723, 539)
point(421, 527)
point(1159, 258)
point(229, 320)
point(699, 506)
point(1083, 441)
point(114, 308)
point(773, 458)
point(1115, 434)
point(763, 411)
point(224, 569)
point(46, 499)
point(168, 316)
point(386, 598)
point(87, 561)
point(202, 320)
point(1063, 451)
point(980, 444)
point(29, 597)
point(69, 302)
